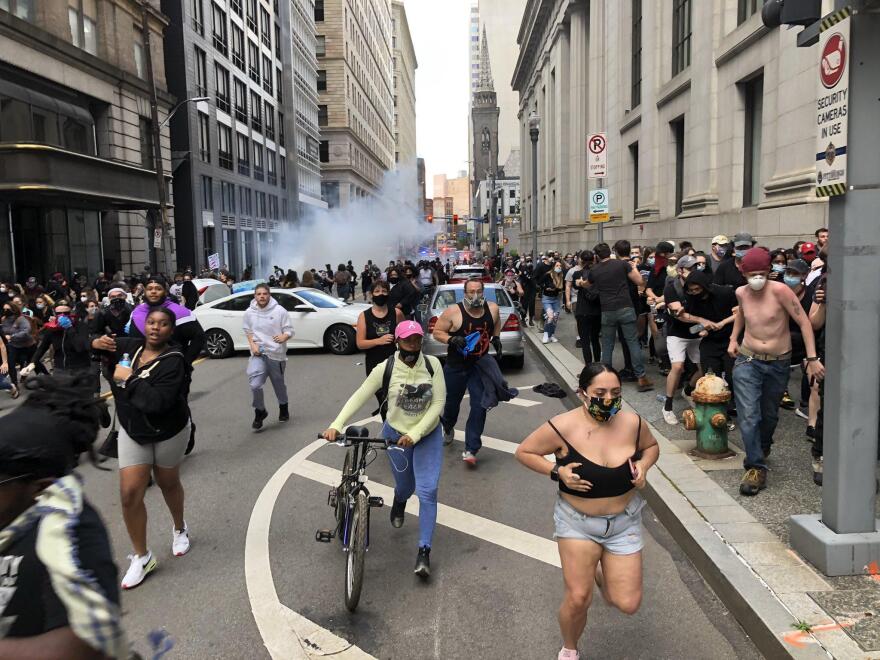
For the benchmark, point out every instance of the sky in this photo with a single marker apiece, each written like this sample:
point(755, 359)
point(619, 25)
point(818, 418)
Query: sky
point(440, 34)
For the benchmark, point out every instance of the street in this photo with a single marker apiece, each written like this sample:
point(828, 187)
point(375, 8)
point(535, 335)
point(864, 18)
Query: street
point(495, 585)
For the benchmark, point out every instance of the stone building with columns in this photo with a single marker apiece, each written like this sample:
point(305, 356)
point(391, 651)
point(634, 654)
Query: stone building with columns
point(708, 116)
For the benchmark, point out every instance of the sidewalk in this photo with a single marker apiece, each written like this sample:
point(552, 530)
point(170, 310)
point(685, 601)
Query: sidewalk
point(740, 544)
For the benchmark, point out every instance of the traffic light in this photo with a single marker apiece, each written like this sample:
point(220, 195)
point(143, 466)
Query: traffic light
point(430, 218)
point(455, 218)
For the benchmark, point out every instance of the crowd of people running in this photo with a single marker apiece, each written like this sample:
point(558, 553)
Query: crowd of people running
point(742, 311)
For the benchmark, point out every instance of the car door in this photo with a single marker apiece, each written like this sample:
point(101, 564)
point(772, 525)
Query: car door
point(228, 315)
point(307, 328)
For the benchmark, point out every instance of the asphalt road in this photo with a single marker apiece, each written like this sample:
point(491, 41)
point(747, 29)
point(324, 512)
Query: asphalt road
point(485, 597)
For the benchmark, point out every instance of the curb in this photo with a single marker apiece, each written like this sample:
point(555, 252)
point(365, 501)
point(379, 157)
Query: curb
point(756, 608)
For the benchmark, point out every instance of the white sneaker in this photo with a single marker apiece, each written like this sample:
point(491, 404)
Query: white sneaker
point(554, 339)
point(469, 458)
point(670, 418)
point(180, 543)
point(568, 654)
point(138, 570)
point(545, 339)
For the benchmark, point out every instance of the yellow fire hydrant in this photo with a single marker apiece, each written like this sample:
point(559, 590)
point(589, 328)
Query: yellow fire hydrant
point(708, 417)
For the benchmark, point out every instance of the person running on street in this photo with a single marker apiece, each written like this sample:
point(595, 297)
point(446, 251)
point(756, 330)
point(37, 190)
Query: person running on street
point(403, 295)
point(598, 509)
point(375, 328)
point(267, 327)
point(19, 339)
point(526, 281)
point(729, 272)
point(154, 430)
point(61, 598)
point(415, 398)
point(512, 286)
point(761, 370)
point(551, 287)
point(68, 337)
point(474, 317)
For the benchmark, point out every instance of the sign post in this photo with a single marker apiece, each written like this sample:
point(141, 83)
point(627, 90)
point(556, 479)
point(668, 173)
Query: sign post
point(597, 168)
point(832, 109)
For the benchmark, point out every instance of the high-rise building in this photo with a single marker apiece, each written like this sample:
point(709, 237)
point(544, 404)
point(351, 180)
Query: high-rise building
point(77, 138)
point(355, 111)
point(235, 180)
point(306, 54)
point(405, 65)
point(484, 121)
point(474, 45)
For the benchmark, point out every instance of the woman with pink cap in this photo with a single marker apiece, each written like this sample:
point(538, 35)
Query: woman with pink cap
point(414, 393)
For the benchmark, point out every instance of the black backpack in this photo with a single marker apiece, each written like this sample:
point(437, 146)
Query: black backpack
point(386, 381)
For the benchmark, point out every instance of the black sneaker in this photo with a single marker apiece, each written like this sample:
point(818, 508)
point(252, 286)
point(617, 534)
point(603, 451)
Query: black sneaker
point(259, 416)
point(283, 413)
point(398, 513)
point(818, 469)
point(811, 433)
point(628, 376)
point(577, 344)
point(423, 562)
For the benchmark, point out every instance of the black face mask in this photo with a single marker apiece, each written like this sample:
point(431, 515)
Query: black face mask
point(394, 280)
point(409, 357)
point(380, 299)
point(117, 304)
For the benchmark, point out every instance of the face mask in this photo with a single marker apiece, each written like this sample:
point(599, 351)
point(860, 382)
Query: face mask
point(701, 267)
point(603, 409)
point(671, 270)
point(394, 280)
point(651, 261)
point(41, 305)
point(2, 289)
point(757, 282)
point(84, 298)
point(792, 280)
point(475, 301)
point(117, 303)
point(92, 311)
point(409, 357)
point(380, 299)
point(778, 268)
point(557, 270)
point(739, 253)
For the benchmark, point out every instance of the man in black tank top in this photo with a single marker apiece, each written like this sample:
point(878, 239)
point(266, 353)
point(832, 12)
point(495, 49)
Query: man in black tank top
point(473, 323)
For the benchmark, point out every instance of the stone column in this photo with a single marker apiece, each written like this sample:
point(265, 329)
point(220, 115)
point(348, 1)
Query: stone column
point(577, 111)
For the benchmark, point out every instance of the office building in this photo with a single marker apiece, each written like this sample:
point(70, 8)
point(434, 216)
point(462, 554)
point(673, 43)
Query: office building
point(404, 80)
point(77, 159)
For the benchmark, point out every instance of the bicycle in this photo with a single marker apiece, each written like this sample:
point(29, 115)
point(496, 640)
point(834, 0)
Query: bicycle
point(352, 502)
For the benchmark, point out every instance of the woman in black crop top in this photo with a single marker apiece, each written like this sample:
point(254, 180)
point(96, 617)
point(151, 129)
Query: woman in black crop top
point(603, 454)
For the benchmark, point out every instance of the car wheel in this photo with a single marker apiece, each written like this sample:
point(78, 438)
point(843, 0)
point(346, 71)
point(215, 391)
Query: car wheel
point(517, 361)
point(340, 340)
point(218, 344)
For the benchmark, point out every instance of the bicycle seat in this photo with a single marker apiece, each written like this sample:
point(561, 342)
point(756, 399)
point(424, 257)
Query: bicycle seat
point(357, 432)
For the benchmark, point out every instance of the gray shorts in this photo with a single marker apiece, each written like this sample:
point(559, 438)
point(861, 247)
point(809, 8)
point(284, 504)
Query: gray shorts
point(167, 454)
point(620, 534)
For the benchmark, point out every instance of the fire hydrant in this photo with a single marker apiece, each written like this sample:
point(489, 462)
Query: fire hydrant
point(708, 417)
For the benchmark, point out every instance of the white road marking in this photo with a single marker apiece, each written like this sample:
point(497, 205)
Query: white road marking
point(522, 403)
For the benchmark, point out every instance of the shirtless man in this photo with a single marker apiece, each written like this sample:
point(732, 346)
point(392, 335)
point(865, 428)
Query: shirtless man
point(760, 374)
point(473, 315)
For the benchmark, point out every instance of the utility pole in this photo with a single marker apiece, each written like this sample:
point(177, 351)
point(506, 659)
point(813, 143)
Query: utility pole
point(493, 236)
point(157, 154)
point(534, 131)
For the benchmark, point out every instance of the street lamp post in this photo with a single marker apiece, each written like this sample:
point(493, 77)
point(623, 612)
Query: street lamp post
point(534, 130)
point(195, 99)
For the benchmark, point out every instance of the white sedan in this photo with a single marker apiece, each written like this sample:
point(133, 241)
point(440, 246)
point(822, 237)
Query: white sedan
point(318, 321)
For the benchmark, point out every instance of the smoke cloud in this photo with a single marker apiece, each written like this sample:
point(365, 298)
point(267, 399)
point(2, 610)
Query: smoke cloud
point(381, 228)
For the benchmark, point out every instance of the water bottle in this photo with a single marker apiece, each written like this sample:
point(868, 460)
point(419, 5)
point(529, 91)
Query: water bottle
point(125, 361)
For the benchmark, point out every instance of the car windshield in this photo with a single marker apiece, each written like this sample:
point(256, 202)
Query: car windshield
point(319, 300)
point(449, 297)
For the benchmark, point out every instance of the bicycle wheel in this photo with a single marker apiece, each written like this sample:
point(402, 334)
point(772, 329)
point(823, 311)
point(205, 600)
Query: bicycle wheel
point(357, 549)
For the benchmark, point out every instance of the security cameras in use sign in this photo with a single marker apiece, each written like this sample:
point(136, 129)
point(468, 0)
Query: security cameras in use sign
point(597, 156)
point(832, 106)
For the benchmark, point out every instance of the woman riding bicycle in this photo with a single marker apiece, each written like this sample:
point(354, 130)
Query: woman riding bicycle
point(415, 398)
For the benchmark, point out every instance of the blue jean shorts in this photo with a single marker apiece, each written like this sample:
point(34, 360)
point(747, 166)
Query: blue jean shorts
point(620, 534)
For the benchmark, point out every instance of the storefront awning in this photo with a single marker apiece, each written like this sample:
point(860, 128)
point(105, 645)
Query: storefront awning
point(43, 174)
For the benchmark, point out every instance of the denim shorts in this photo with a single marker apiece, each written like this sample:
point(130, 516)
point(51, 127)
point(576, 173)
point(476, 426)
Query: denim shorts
point(619, 534)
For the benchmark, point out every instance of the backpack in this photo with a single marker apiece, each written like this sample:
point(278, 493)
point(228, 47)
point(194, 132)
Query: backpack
point(386, 381)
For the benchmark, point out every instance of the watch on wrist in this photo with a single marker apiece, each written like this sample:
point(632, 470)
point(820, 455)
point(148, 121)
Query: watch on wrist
point(554, 472)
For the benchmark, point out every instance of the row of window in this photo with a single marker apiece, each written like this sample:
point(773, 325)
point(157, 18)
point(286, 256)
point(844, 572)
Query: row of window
point(248, 203)
point(264, 161)
point(218, 21)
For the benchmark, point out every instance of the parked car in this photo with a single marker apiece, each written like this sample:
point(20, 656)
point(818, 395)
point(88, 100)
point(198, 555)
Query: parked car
point(210, 290)
point(464, 272)
point(512, 340)
point(318, 321)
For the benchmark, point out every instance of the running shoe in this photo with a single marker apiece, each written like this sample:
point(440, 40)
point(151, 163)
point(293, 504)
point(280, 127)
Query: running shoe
point(577, 343)
point(138, 570)
point(753, 481)
point(811, 433)
point(628, 376)
point(448, 436)
point(398, 513)
point(283, 413)
point(423, 562)
point(469, 458)
point(14, 392)
point(554, 340)
point(787, 401)
point(800, 412)
point(568, 654)
point(259, 416)
point(545, 339)
point(180, 542)
point(818, 469)
point(670, 418)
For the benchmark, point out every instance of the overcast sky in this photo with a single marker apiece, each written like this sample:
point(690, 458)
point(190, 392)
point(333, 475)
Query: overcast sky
point(440, 32)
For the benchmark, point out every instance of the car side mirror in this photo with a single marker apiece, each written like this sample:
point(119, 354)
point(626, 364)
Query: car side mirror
point(303, 308)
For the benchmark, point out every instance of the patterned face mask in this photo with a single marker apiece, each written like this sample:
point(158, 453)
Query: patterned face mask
point(603, 409)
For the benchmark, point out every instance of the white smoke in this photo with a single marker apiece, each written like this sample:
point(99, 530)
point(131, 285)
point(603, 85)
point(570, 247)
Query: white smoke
point(388, 226)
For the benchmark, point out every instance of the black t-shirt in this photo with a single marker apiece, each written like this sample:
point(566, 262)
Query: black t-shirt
point(728, 274)
point(716, 307)
point(610, 278)
point(657, 281)
point(379, 327)
point(587, 299)
point(798, 347)
point(548, 287)
point(671, 295)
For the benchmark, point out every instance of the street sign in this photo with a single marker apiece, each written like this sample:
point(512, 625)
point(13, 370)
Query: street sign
point(157, 237)
point(214, 261)
point(832, 106)
point(599, 205)
point(597, 156)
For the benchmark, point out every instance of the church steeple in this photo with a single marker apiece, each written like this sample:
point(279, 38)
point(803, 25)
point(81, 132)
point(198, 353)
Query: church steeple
point(486, 83)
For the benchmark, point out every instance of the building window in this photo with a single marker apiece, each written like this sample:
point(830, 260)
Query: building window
point(258, 161)
point(23, 9)
point(140, 63)
point(254, 61)
point(321, 47)
point(224, 146)
point(227, 197)
point(681, 35)
point(279, 86)
point(201, 72)
point(256, 112)
point(265, 28)
point(270, 121)
point(207, 193)
point(204, 137)
point(244, 154)
point(277, 41)
point(238, 47)
point(280, 129)
point(252, 15)
point(246, 200)
point(241, 100)
point(221, 80)
point(235, 5)
point(267, 74)
point(271, 168)
point(82, 16)
point(218, 24)
point(636, 69)
point(634, 161)
point(324, 151)
point(282, 161)
point(745, 8)
point(145, 130)
point(319, 10)
point(322, 115)
point(754, 98)
point(677, 127)
point(322, 80)
point(208, 238)
point(198, 17)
